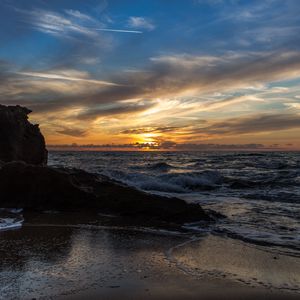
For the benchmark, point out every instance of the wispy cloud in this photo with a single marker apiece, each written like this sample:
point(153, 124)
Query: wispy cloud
point(79, 15)
point(118, 30)
point(73, 132)
point(164, 77)
point(194, 75)
point(293, 106)
point(245, 125)
point(120, 108)
point(141, 23)
point(149, 129)
point(69, 23)
point(61, 25)
point(67, 75)
point(254, 124)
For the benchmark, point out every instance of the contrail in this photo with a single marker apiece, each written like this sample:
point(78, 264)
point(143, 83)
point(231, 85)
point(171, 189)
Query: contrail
point(119, 30)
point(62, 77)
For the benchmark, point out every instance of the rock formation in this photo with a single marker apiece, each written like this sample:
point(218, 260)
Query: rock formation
point(45, 188)
point(19, 139)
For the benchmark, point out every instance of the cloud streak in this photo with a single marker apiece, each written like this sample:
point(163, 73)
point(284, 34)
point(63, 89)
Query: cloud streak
point(119, 30)
point(60, 25)
point(73, 132)
point(116, 109)
point(196, 75)
point(250, 124)
point(254, 124)
point(65, 76)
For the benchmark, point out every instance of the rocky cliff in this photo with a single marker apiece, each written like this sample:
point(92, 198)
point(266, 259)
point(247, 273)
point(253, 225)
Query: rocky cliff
point(19, 139)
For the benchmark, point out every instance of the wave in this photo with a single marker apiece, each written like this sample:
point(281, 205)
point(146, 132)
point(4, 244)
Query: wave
point(159, 166)
point(266, 240)
point(172, 182)
point(10, 218)
point(10, 223)
point(256, 190)
point(184, 182)
point(280, 196)
point(162, 180)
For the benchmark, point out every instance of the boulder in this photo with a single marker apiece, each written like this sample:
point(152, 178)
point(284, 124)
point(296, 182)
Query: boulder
point(45, 188)
point(19, 139)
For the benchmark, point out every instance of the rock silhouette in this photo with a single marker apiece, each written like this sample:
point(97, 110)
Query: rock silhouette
point(19, 139)
point(46, 188)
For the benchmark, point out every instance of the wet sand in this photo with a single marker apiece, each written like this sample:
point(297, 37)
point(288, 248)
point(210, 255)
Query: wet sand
point(51, 260)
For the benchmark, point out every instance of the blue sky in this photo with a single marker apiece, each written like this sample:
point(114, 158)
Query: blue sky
point(154, 71)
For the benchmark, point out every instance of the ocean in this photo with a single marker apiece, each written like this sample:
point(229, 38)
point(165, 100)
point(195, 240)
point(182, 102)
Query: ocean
point(259, 193)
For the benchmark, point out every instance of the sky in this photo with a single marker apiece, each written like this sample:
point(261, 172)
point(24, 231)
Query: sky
point(155, 74)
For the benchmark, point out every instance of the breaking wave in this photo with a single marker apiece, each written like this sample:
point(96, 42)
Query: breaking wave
point(259, 193)
point(10, 219)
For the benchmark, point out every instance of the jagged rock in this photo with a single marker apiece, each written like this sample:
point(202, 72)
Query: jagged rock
point(44, 188)
point(19, 139)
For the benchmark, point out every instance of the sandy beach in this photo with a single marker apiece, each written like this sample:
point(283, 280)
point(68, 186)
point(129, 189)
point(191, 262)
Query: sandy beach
point(52, 257)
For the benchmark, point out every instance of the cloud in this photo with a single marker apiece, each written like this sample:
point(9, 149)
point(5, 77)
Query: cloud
point(4, 72)
point(182, 76)
point(149, 129)
point(226, 127)
point(195, 75)
point(77, 40)
point(294, 105)
point(79, 15)
point(118, 30)
point(72, 24)
point(68, 75)
point(60, 25)
point(165, 145)
point(253, 124)
point(92, 113)
point(73, 132)
point(141, 23)
point(217, 104)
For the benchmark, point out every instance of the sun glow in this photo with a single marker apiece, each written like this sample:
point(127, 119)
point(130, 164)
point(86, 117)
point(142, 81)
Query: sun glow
point(150, 138)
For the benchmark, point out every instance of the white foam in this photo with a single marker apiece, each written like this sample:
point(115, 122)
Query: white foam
point(10, 223)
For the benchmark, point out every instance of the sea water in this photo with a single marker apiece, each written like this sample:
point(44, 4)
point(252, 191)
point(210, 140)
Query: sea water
point(259, 193)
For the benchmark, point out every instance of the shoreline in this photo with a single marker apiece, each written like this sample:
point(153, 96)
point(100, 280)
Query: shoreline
point(76, 261)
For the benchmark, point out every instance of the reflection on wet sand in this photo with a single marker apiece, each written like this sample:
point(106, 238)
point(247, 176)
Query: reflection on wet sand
point(48, 261)
point(90, 261)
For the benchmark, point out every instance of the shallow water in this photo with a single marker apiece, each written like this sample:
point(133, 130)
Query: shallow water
point(50, 260)
point(258, 192)
point(53, 261)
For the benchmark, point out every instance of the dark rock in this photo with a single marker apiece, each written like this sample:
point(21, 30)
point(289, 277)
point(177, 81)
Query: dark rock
point(44, 188)
point(19, 139)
